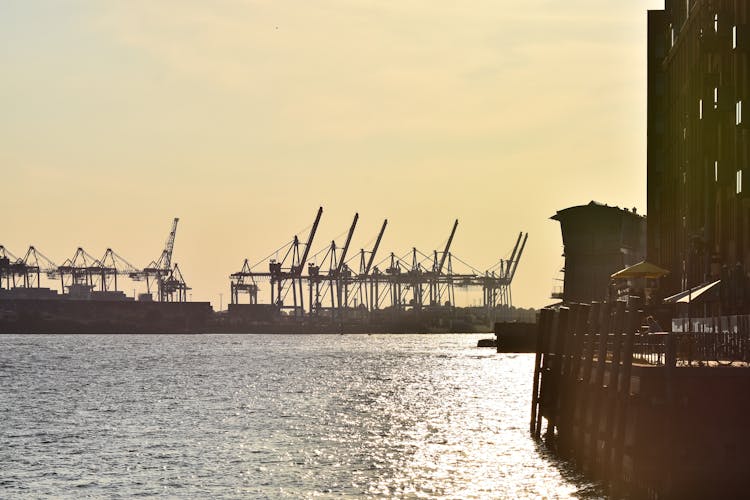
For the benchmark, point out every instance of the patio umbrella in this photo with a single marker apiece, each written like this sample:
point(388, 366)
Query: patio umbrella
point(641, 270)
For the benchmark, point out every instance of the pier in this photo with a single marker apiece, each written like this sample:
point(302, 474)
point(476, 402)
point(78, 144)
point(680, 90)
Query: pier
point(649, 415)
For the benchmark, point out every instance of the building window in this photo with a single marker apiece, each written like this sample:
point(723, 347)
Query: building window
point(716, 171)
point(700, 109)
point(716, 23)
point(671, 35)
point(716, 97)
point(738, 113)
point(739, 181)
point(734, 37)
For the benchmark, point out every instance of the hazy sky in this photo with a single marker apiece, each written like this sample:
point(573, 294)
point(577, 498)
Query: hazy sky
point(242, 117)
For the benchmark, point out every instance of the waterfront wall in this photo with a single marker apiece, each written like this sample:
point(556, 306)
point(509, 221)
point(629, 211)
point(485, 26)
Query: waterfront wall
point(627, 410)
point(92, 316)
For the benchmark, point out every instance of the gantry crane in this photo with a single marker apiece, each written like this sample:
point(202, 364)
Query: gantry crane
point(404, 283)
point(8, 266)
point(162, 273)
point(335, 280)
point(79, 273)
point(497, 280)
point(25, 272)
point(284, 275)
point(439, 286)
point(366, 289)
point(112, 265)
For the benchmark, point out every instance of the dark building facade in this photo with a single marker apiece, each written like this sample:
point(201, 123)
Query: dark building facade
point(598, 241)
point(698, 123)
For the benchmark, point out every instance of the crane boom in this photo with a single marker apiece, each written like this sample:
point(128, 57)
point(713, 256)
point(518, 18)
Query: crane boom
point(447, 248)
point(518, 258)
point(166, 256)
point(513, 254)
point(4, 252)
point(342, 259)
point(314, 228)
point(375, 248)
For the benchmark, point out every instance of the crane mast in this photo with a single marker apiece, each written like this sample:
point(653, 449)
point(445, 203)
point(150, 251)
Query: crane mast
point(375, 248)
point(514, 263)
point(447, 248)
point(298, 270)
point(165, 261)
point(342, 259)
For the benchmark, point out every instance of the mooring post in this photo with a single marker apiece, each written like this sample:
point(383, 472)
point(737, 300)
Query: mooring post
point(566, 384)
point(622, 403)
point(574, 384)
point(611, 397)
point(670, 365)
point(605, 321)
point(544, 321)
point(553, 388)
point(585, 424)
point(544, 380)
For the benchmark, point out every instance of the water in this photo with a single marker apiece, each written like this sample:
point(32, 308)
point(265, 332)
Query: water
point(269, 416)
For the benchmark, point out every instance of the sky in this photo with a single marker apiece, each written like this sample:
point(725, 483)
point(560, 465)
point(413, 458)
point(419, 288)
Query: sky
point(242, 117)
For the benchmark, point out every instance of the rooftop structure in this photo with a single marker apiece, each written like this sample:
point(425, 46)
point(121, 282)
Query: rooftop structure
point(598, 241)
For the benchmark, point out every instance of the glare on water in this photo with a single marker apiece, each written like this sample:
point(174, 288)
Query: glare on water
point(269, 416)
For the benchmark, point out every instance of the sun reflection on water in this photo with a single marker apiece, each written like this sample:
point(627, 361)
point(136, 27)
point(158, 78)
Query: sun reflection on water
point(420, 416)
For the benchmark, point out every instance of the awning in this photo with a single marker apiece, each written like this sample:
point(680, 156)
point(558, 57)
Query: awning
point(700, 293)
point(641, 270)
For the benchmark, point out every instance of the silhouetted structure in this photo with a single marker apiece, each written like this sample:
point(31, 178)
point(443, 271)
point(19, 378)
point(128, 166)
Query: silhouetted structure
point(334, 288)
point(698, 209)
point(598, 241)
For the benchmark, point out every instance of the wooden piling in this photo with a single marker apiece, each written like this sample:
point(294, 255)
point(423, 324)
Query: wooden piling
point(565, 402)
point(554, 375)
point(597, 396)
point(621, 403)
point(586, 422)
point(545, 322)
point(548, 342)
point(571, 387)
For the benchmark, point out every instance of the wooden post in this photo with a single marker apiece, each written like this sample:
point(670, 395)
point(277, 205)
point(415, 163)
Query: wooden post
point(611, 392)
point(544, 322)
point(585, 423)
point(554, 374)
point(566, 403)
point(621, 404)
point(572, 384)
point(544, 382)
point(598, 405)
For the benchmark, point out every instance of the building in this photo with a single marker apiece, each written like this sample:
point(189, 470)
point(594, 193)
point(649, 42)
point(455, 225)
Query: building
point(598, 241)
point(698, 123)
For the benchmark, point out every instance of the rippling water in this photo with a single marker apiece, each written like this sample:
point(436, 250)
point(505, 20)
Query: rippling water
point(269, 416)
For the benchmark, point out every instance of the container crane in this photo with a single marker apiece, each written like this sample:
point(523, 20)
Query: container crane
point(366, 287)
point(8, 263)
point(282, 279)
point(436, 290)
point(341, 277)
point(160, 270)
point(35, 263)
point(113, 265)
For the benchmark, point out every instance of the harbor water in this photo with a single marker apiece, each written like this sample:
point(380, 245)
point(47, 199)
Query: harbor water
point(270, 416)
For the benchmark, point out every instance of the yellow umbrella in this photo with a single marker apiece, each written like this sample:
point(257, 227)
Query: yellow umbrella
point(641, 270)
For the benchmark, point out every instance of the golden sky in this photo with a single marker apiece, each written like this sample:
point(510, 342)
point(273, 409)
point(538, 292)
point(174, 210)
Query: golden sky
point(242, 117)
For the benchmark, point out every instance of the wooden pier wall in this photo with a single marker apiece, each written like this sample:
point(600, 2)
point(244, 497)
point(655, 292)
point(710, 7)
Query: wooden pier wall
point(657, 429)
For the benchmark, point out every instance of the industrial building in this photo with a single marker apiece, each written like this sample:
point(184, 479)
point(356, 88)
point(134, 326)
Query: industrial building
point(598, 241)
point(698, 123)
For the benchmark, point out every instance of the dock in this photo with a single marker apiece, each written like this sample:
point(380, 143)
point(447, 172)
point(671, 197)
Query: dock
point(648, 415)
